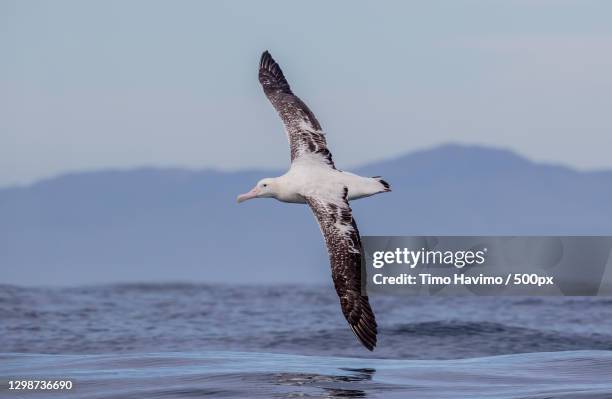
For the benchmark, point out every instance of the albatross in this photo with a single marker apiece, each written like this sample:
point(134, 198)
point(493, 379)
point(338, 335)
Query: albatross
point(313, 179)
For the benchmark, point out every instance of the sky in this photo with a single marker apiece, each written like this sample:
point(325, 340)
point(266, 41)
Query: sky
point(122, 84)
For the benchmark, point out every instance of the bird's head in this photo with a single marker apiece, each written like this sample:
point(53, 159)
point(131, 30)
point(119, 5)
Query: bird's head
point(265, 188)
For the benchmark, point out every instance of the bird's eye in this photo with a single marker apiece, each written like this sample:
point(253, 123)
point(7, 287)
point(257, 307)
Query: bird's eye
point(265, 185)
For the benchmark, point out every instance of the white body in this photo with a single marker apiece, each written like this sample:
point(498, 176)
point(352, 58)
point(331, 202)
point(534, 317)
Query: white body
point(311, 178)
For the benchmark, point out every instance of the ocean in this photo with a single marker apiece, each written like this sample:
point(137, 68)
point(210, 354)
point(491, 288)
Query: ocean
point(221, 341)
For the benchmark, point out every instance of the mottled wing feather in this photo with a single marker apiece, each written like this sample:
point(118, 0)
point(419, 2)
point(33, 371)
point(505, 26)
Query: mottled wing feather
point(344, 247)
point(303, 129)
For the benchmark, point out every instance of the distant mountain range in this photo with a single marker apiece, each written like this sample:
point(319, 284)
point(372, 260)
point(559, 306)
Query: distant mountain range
point(179, 225)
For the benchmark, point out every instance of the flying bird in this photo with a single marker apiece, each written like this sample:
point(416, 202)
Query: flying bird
point(313, 179)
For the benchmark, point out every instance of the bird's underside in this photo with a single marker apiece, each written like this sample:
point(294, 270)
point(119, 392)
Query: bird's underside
point(330, 205)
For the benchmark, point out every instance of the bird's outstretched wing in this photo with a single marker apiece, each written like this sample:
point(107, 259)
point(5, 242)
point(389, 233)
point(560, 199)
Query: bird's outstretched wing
point(303, 129)
point(344, 247)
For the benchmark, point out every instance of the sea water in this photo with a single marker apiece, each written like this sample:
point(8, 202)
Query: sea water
point(189, 340)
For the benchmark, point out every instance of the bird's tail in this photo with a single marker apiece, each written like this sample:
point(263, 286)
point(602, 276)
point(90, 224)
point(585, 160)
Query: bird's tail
point(386, 187)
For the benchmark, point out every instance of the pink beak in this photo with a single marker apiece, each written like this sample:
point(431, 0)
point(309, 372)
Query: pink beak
point(247, 196)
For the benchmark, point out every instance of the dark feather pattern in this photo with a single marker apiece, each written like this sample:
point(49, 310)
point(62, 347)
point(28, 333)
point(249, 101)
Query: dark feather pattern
point(344, 247)
point(302, 127)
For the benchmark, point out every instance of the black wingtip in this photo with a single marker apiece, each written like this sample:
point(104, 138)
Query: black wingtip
point(265, 57)
point(270, 74)
point(367, 339)
point(267, 63)
point(366, 328)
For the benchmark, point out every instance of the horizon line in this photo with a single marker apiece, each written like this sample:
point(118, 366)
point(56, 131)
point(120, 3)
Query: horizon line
point(182, 168)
